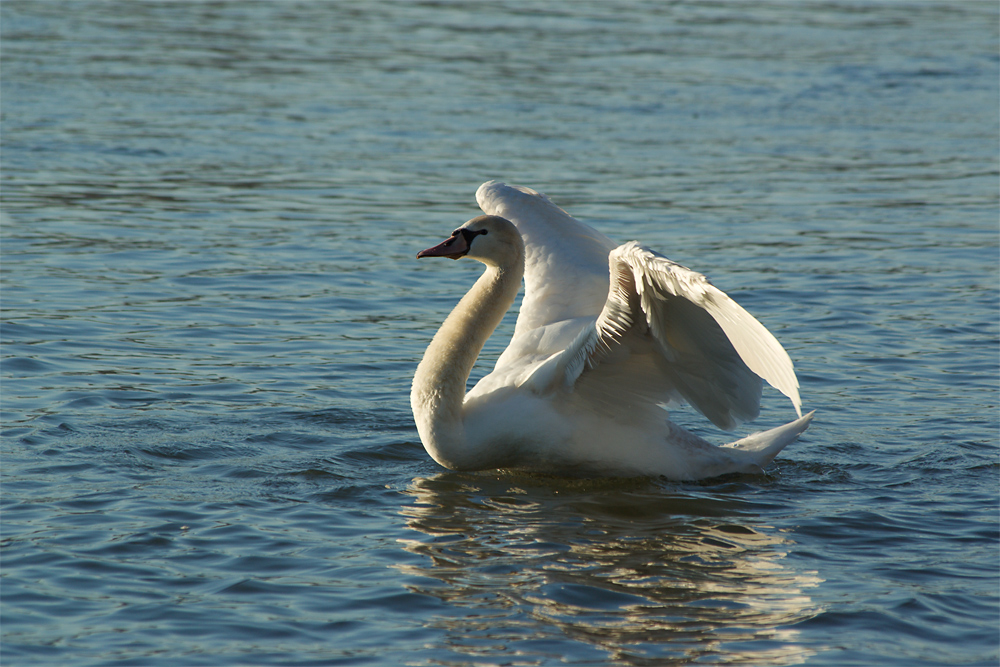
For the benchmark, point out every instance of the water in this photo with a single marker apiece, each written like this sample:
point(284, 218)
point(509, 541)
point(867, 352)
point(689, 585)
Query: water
point(212, 311)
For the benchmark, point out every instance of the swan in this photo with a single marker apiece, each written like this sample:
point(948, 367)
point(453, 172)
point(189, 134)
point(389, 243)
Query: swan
point(605, 339)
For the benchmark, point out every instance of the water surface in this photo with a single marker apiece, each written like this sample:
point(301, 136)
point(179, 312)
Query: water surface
point(212, 312)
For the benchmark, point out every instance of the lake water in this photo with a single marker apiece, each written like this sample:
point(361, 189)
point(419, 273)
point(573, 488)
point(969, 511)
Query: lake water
point(212, 312)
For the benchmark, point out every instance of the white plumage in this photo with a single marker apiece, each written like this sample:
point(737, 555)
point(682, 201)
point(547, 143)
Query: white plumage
point(604, 338)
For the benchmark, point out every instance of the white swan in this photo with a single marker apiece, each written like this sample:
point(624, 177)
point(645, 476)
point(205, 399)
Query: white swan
point(604, 338)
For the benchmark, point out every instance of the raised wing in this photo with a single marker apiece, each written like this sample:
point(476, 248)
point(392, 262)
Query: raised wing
point(566, 261)
point(713, 352)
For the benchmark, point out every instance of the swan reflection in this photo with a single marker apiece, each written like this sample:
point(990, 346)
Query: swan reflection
point(630, 571)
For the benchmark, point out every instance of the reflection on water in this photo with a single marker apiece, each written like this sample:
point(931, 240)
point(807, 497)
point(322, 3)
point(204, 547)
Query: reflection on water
point(630, 568)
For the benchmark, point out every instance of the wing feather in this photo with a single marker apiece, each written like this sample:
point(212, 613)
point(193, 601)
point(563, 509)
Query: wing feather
point(664, 332)
point(566, 261)
point(713, 352)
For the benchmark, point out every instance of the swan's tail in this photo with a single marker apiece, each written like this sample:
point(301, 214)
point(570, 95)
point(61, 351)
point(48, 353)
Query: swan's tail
point(758, 449)
point(701, 459)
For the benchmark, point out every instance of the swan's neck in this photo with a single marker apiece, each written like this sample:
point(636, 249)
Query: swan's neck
point(439, 384)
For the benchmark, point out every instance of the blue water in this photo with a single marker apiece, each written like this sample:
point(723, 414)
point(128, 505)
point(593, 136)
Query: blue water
point(212, 312)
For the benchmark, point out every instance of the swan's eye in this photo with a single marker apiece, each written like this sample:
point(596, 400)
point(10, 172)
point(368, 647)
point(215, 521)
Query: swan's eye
point(484, 232)
point(468, 234)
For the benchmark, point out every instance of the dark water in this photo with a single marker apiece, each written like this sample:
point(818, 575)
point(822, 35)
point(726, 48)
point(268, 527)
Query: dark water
point(211, 314)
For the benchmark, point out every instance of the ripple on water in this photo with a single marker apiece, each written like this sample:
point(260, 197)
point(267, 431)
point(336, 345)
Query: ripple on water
point(212, 313)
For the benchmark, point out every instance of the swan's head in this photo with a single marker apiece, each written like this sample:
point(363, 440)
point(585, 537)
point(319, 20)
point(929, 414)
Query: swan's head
point(491, 239)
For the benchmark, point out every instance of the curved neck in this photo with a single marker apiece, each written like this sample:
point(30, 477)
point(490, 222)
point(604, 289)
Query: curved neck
point(439, 384)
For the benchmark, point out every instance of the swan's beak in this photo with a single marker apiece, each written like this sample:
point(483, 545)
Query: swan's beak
point(454, 247)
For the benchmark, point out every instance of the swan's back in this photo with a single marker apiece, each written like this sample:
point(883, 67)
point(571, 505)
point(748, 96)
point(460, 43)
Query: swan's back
point(566, 261)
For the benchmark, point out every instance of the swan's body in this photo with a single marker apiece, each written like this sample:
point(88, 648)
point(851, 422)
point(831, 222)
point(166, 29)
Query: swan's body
point(605, 336)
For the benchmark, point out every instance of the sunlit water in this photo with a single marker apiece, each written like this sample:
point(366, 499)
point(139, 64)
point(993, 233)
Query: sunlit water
point(212, 311)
